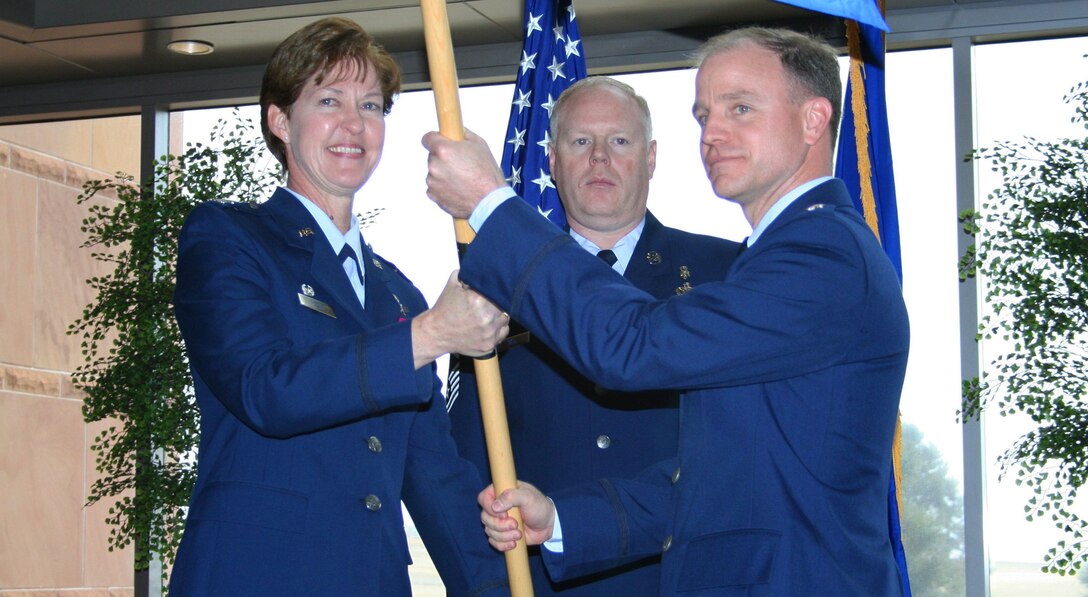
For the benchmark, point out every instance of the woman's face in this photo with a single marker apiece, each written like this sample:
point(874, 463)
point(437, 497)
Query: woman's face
point(334, 133)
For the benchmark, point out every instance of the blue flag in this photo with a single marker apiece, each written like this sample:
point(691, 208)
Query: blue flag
point(864, 159)
point(862, 11)
point(864, 163)
point(551, 60)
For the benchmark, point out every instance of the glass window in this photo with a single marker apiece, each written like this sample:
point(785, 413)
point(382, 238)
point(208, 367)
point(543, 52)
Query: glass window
point(919, 92)
point(1019, 89)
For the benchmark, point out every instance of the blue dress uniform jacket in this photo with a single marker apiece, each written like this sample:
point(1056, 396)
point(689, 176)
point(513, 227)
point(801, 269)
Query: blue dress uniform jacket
point(567, 430)
point(792, 369)
point(314, 424)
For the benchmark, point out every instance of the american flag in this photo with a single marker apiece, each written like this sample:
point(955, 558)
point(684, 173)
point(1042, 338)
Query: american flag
point(551, 60)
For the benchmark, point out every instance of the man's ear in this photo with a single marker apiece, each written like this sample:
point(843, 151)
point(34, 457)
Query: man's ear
point(651, 157)
point(277, 123)
point(817, 113)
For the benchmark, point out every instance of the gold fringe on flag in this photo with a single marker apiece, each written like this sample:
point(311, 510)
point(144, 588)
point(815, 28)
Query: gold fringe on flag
point(868, 200)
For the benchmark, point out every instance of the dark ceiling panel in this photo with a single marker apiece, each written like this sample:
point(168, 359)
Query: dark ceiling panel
point(57, 48)
point(65, 13)
point(74, 39)
point(27, 64)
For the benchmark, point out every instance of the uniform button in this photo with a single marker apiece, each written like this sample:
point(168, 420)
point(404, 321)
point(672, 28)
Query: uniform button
point(373, 503)
point(374, 444)
point(665, 545)
point(676, 476)
point(603, 441)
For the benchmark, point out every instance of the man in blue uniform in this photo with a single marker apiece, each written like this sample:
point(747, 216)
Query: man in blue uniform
point(564, 428)
point(791, 368)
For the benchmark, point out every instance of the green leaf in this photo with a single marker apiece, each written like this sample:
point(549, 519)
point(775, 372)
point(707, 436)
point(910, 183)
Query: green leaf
point(134, 372)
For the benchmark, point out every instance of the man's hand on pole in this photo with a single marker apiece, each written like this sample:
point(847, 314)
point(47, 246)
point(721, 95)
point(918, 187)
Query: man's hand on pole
point(460, 173)
point(503, 532)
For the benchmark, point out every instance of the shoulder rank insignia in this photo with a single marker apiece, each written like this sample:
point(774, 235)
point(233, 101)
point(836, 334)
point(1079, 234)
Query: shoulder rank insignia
point(685, 275)
point(815, 206)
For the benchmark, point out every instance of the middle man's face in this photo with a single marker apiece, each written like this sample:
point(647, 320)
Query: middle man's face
point(602, 162)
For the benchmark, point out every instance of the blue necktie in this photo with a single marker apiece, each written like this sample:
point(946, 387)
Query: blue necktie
point(348, 253)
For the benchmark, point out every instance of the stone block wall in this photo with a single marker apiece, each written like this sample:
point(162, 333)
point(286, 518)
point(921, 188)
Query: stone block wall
point(51, 543)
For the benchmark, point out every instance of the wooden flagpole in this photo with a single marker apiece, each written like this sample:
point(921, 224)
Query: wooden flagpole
point(436, 31)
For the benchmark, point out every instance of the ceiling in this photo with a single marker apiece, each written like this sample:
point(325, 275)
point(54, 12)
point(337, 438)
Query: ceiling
point(50, 40)
point(57, 53)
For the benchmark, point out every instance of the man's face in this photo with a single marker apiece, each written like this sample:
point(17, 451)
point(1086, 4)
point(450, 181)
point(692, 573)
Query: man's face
point(602, 162)
point(753, 134)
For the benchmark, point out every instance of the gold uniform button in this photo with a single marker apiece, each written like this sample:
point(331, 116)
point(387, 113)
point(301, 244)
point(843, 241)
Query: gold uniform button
point(373, 503)
point(665, 545)
point(374, 444)
point(676, 476)
point(603, 442)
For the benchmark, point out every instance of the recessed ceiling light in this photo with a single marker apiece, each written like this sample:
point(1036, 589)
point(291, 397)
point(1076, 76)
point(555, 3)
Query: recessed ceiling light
point(191, 47)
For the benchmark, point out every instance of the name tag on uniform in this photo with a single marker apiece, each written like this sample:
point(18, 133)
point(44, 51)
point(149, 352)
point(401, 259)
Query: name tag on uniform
point(311, 303)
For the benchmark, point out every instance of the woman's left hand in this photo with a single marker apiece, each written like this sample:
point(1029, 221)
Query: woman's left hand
point(461, 321)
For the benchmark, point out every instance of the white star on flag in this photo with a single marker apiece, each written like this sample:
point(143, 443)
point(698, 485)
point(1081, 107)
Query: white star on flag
point(548, 105)
point(527, 62)
point(544, 181)
point(515, 177)
point(534, 24)
point(523, 101)
point(557, 69)
point(545, 142)
point(518, 140)
point(572, 48)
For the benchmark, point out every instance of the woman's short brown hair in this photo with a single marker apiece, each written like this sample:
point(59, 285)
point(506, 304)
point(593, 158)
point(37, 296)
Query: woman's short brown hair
point(313, 52)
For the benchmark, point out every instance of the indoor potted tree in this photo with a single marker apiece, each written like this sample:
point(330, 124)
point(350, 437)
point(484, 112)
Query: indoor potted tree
point(135, 375)
point(1032, 251)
